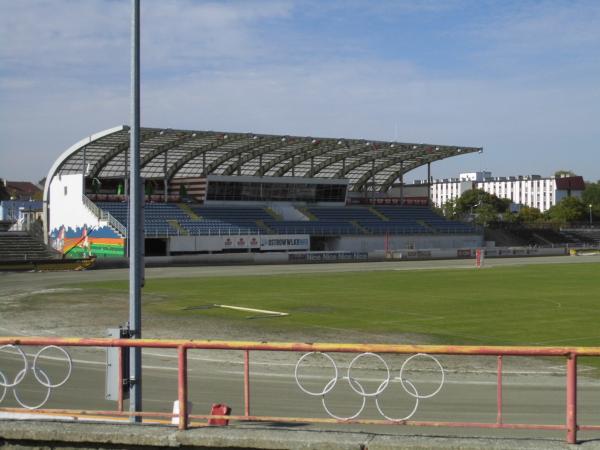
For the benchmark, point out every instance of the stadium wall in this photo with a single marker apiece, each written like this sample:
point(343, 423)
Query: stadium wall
point(275, 242)
point(74, 230)
point(374, 243)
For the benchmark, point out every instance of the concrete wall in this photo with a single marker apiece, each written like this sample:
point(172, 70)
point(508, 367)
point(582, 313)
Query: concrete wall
point(73, 228)
point(271, 242)
point(66, 205)
point(496, 252)
point(374, 243)
point(293, 257)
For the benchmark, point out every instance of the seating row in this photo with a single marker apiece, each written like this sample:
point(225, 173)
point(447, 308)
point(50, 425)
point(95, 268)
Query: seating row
point(171, 219)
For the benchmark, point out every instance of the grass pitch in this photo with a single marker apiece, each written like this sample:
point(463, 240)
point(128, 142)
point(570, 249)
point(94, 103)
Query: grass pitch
point(553, 304)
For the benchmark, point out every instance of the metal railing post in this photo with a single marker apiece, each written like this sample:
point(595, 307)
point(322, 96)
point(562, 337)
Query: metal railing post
point(121, 387)
point(246, 383)
point(182, 388)
point(572, 398)
point(499, 391)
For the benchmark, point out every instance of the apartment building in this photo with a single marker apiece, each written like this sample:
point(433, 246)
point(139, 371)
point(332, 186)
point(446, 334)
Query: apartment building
point(525, 190)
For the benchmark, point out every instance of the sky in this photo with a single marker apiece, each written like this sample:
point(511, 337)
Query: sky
point(519, 78)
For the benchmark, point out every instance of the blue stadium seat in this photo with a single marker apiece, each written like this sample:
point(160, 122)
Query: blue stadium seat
point(169, 219)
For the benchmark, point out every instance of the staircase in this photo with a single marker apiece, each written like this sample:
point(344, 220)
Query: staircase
point(273, 214)
point(307, 213)
point(189, 211)
point(112, 222)
point(378, 214)
point(20, 246)
point(176, 225)
point(359, 227)
point(426, 225)
point(263, 226)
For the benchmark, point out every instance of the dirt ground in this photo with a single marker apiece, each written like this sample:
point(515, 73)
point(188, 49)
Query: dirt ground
point(35, 304)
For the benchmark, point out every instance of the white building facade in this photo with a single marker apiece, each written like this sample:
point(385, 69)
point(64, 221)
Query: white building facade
point(524, 190)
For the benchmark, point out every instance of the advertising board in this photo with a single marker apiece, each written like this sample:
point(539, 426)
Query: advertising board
point(285, 242)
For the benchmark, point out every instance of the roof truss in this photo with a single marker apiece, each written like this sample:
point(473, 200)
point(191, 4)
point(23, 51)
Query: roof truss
point(168, 153)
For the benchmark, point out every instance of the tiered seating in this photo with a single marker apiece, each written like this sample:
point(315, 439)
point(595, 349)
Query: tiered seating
point(336, 218)
point(410, 216)
point(520, 235)
point(233, 219)
point(167, 219)
point(156, 216)
point(402, 220)
point(20, 246)
point(582, 236)
point(317, 228)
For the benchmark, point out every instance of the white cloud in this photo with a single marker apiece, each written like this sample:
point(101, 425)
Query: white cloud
point(210, 65)
point(547, 39)
point(546, 26)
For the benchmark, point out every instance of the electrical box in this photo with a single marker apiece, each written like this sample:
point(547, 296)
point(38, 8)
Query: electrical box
point(117, 366)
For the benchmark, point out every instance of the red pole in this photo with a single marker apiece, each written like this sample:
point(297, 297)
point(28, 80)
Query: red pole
point(182, 387)
point(246, 383)
point(499, 391)
point(572, 399)
point(121, 387)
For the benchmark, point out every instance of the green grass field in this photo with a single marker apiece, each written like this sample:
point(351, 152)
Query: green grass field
point(554, 304)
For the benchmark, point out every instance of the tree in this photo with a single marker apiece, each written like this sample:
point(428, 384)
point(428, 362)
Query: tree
point(476, 197)
point(564, 173)
point(4, 195)
point(481, 206)
point(449, 209)
point(96, 183)
point(528, 214)
point(591, 194)
point(569, 209)
point(485, 214)
point(182, 190)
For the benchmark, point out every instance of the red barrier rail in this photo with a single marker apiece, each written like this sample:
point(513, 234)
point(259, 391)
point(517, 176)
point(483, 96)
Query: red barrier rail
point(182, 346)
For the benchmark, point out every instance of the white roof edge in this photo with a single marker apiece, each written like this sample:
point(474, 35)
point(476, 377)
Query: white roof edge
point(74, 148)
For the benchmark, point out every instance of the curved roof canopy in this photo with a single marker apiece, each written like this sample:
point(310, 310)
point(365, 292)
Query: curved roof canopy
point(186, 153)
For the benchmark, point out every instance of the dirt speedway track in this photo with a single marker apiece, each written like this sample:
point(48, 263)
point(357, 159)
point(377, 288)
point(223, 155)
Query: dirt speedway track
point(534, 390)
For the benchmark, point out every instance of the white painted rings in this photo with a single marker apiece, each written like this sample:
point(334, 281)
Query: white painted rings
point(415, 393)
point(407, 385)
point(352, 382)
point(21, 373)
point(47, 383)
point(330, 384)
point(40, 375)
point(383, 384)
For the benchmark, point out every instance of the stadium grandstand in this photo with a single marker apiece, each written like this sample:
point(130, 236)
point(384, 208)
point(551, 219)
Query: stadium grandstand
point(218, 192)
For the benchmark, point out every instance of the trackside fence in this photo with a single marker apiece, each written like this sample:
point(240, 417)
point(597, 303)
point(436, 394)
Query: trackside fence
point(570, 354)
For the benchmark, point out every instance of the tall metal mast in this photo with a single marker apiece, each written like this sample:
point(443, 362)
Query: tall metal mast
point(136, 229)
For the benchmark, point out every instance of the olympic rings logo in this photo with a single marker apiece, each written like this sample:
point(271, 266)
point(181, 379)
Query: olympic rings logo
point(40, 375)
point(358, 388)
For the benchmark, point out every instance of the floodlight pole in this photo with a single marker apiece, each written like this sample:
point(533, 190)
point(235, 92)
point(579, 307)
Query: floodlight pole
point(136, 230)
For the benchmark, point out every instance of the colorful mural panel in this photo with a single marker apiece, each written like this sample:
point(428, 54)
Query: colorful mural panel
point(84, 242)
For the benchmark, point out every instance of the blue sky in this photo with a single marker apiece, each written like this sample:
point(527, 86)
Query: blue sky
point(520, 79)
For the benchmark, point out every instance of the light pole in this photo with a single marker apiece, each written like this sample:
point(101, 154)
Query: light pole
point(590, 208)
point(135, 231)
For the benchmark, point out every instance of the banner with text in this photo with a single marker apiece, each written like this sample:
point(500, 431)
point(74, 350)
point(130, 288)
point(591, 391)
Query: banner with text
point(285, 242)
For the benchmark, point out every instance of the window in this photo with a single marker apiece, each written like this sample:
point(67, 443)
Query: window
point(249, 191)
point(65, 190)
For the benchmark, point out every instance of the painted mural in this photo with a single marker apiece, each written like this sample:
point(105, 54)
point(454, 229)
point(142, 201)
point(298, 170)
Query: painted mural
point(84, 242)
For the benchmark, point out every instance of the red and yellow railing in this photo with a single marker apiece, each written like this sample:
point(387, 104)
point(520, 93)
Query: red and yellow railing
point(571, 355)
